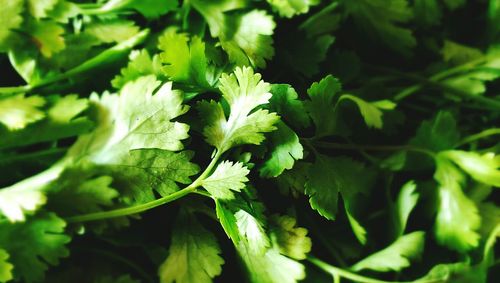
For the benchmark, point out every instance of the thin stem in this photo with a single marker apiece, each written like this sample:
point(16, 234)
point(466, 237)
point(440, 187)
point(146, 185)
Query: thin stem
point(32, 155)
point(434, 83)
point(332, 145)
point(104, 57)
point(318, 15)
point(148, 205)
point(336, 271)
point(478, 136)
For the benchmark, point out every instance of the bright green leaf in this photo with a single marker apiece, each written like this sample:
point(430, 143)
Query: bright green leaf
point(226, 178)
point(10, 18)
point(291, 240)
point(482, 168)
point(5, 267)
point(405, 203)
point(18, 111)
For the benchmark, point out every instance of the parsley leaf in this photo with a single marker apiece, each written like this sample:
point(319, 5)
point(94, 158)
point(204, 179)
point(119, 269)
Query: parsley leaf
point(291, 240)
point(5, 267)
point(10, 18)
point(18, 111)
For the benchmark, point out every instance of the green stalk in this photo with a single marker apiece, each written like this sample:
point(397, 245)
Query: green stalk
point(339, 272)
point(478, 136)
point(109, 55)
point(148, 205)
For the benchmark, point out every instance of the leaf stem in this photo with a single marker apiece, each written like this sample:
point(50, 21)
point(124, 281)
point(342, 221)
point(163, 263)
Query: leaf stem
point(332, 6)
point(108, 55)
point(336, 271)
point(478, 136)
point(148, 205)
point(332, 145)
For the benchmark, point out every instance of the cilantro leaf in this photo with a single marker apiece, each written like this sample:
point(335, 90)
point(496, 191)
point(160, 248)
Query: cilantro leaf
point(48, 36)
point(227, 177)
point(263, 263)
point(65, 108)
point(482, 168)
point(291, 240)
point(112, 30)
point(405, 203)
point(285, 150)
point(290, 8)
point(285, 102)
point(396, 256)
point(330, 176)
point(141, 171)
point(39, 8)
point(438, 134)
point(457, 217)
point(140, 64)
point(380, 19)
point(370, 110)
point(5, 267)
point(16, 202)
point(34, 245)
point(244, 91)
point(194, 254)
point(10, 18)
point(246, 37)
point(183, 62)
point(322, 96)
point(18, 111)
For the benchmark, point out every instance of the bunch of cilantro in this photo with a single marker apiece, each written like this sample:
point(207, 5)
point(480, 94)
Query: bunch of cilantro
point(273, 141)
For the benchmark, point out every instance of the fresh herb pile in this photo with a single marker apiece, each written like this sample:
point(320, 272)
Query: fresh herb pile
point(268, 141)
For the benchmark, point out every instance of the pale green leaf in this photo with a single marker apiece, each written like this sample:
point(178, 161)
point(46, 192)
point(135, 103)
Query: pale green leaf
point(40, 8)
point(482, 168)
point(10, 18)
point(396, 256)
point(112, 30)
point(290, 8)
point(49, 37)
point(457, 217)
point(291, 240)
point(244, 91)
point(15, 203)
point(194, 254)
point(66, 108)
point(226, 178)
point(5, 267)
point(16, 112)
point(140, 64)
point(405, 203)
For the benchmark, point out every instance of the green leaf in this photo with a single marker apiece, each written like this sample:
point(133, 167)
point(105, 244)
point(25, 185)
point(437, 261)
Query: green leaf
point(323, 95)
point(66, 108)
point(48, 37)
point(40, 8)
point(306, 55)
point(141, 171)
point(457, 216)
point(405, 203)
point(138, 118)
point(227, 220)
point(227, 177)
point(140, 64)
point(244, 91)
point(330, 176)
point(151, 9)
point(10, 18)
point(438, 134)
point(285, 102)
point(5, 267)
point(15, 203)
point(16, 112)
point(290, 8)
point(264, 264)
point(34, 245)
point(291, 240)
point(396, 256)
point(246, 37)
point(112, 30)
point(381, 18)
point(194, 254)
point(427, 12)
point(370, 111)
point(358, 230)
point(482, 168)
point(183, 62)
point(285, 149)
point(458, 54)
